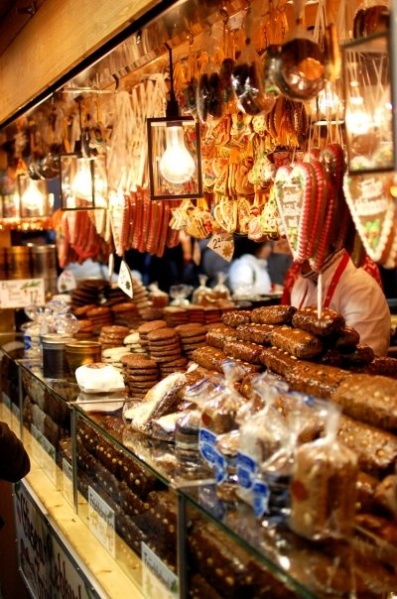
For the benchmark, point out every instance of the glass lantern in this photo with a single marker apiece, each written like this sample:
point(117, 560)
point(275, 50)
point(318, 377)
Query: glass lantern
point(174, 158)
point(34, 199)
point(83, 182)
point(368, 104)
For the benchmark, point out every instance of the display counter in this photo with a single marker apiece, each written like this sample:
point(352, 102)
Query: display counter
point(138, 521)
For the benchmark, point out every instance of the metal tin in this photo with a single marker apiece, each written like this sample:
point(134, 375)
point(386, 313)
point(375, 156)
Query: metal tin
point(79, 353)
point(19, 262)
point(43, 260)
point(55, 364)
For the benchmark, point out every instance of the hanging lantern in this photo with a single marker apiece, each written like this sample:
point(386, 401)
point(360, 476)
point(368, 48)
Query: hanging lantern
point(34, 199)
point(83, 182)
point(368, 104)
point(174, 152)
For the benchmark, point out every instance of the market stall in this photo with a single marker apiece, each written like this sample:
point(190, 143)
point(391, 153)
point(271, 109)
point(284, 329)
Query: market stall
point(211, 443)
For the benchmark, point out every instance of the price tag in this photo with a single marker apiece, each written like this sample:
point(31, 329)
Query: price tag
point(222, 244)
point(157, 579)
point(66, 281)
point(21, 293)
point(102, 521)
point(125, 279)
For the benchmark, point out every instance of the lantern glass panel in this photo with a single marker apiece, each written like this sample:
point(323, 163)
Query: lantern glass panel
point(368, 104)
point(174, 158)
point(83, 182)
point(35, 201)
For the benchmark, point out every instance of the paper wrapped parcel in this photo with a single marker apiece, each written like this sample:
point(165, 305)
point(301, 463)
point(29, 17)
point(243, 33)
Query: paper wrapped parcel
point(99, 377)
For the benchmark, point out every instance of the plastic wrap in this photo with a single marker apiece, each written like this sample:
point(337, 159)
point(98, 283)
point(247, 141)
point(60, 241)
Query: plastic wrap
point(323, 486)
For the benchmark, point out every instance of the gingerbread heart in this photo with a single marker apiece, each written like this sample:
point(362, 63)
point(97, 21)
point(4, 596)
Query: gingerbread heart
point(373, 211)
point(295, 191)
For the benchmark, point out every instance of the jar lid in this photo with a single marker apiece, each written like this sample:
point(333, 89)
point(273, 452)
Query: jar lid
point(56, 340)
point(83, 345)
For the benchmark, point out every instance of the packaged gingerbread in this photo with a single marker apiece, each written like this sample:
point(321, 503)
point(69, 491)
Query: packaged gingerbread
point(218, 418)
point(263, 434)
point(323, 486)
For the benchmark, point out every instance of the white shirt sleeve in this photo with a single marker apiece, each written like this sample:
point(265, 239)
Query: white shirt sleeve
point(241, 276)
point(363, 304)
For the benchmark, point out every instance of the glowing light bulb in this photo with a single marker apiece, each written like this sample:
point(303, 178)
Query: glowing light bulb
point(33, 198)
point(177, 164)
point(82, 182)
point(357, 118)
point(329, 102)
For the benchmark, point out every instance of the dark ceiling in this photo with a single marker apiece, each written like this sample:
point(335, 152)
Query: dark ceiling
point(5, 7)
point(14, 14)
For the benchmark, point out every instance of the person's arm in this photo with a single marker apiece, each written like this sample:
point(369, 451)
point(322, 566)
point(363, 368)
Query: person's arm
point(365, 308)
point(14, 460)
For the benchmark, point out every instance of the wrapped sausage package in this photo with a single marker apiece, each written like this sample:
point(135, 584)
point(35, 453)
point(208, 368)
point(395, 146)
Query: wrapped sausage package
point(323, 486)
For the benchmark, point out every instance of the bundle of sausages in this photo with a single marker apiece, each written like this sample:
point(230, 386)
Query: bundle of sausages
point(145, 224)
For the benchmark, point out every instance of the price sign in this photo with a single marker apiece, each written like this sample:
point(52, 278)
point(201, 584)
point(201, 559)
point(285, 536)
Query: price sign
point(222, 244)
point(157, 579)
point(125, 279)
point(21, 293)
point(102, 521)
point(66, 281)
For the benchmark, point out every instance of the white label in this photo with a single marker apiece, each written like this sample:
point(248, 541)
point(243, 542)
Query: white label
point(45, 453)
point(125, 279)
point(102, 521)
point(21, 293)
point(222, 244)
point(157, 579)
point(66, 281)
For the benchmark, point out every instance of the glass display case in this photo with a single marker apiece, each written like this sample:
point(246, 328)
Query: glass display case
point(46, 420)
point(11, 349)
point(162, 521)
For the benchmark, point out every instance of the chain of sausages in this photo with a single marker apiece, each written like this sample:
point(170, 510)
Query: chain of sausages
point(145, 225)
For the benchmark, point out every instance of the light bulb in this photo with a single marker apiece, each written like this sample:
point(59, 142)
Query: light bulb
point(357, 118)
point(177, 164)
point(33, 198)
point(82, 182)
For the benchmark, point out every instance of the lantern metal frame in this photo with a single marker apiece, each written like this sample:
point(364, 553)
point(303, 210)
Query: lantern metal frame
point(363, 55)
point(69, 165)
point(160, 188)
point(26, 212)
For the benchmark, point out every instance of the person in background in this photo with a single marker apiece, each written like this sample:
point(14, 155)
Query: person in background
point(248, 273)
point(350, 291)
point(14, 460)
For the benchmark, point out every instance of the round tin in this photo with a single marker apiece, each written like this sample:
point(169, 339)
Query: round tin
point(55, 365)
point(81, 352)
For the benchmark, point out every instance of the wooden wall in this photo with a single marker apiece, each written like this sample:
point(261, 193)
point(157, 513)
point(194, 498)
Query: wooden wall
point(54, 40)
